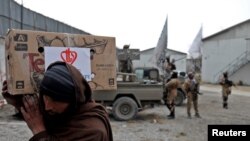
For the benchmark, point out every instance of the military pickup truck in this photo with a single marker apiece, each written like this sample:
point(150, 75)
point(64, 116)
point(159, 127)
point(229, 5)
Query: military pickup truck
point(132, 97)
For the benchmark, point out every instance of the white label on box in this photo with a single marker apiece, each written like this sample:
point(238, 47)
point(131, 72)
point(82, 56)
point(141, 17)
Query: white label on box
point(78, 57)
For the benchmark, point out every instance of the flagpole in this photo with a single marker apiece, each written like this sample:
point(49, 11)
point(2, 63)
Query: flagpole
point(163, 73)
point(159, 54)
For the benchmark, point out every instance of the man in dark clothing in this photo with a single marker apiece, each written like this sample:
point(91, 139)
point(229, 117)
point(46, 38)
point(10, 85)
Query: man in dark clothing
point(64, 109)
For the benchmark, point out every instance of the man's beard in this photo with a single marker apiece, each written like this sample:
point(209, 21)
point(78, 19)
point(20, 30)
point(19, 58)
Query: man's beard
point(58, 119)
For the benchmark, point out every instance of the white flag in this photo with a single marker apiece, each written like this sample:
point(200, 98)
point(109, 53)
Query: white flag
point(159, 53)
point(195, 49)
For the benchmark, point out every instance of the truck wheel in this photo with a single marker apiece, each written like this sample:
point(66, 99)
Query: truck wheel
point(124, 108)
point(179, 98)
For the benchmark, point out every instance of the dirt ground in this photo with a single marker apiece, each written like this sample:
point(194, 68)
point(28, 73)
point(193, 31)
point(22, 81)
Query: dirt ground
point(152, 124)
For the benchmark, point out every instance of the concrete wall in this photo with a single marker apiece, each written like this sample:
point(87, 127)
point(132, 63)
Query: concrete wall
point(144, 59)
point(221, 50)
point(242, 75)
point(10, 17)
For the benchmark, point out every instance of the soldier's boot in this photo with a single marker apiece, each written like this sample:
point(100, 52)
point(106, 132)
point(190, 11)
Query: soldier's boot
point(197, 115)
point(169, 115)
point(225, 106)
point(172, 115)
point(189, 116)
point(172, 111)
point(169, 108)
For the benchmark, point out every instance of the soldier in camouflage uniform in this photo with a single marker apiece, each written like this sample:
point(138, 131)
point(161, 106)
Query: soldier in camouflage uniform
point(226, 89)
point(191, 88)
point(126, 66)
point(197, 78)
point(171, 88)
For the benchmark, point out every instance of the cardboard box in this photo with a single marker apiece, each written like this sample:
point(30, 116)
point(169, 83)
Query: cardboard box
point(27, 53)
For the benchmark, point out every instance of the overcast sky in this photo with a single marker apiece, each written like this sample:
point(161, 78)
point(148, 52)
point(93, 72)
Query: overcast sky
point(140, 22)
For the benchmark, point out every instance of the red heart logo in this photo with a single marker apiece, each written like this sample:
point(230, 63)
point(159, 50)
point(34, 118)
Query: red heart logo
point(69, 56)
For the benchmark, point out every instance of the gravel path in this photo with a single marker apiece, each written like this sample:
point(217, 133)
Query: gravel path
point(152, 124)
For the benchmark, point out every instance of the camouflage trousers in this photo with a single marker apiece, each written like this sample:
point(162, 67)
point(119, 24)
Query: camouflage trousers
point(192, 98)
point(169, 100)
point(225, 93)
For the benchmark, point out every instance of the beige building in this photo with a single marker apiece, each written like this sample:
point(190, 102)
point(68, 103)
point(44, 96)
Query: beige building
point(145, 55)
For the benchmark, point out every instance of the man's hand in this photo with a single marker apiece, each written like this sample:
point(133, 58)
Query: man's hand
point(200, 93)
point(32, 114)
point(2, 103)
point(15, 100)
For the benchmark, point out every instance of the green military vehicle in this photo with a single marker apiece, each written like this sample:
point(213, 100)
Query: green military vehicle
point(132, 96)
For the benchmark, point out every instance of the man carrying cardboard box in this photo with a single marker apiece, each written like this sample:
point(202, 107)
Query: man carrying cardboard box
point(64, 109)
